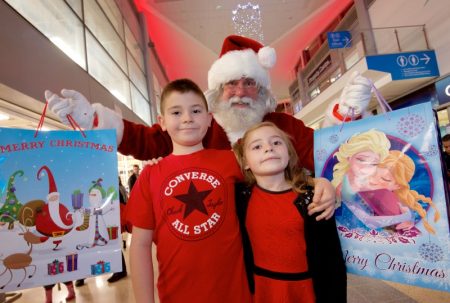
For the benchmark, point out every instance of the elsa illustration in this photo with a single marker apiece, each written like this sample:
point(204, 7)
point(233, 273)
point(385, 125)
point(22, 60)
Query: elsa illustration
point(394, 173)
point(358, 159)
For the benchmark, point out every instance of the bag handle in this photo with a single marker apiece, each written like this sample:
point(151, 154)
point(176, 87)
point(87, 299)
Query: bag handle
point(71, 120)
point(385, 107)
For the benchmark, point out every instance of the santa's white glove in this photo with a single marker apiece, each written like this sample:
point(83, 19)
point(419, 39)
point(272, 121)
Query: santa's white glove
point(71, 103)
point(356, 95)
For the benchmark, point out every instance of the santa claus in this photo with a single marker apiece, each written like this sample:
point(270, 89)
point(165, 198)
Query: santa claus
point(53, 219)
point(239, 96)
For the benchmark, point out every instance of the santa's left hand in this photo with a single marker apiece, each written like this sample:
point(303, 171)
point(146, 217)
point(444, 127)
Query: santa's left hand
point(324, 199)
point(356, 95)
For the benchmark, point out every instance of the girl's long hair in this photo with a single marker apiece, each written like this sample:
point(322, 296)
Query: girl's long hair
point(402, 168)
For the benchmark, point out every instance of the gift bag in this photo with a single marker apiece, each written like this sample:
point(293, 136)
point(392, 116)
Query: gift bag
point(393, 215)
point(58, 196)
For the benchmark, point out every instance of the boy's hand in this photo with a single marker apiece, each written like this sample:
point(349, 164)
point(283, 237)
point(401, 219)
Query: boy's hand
point(324, 199)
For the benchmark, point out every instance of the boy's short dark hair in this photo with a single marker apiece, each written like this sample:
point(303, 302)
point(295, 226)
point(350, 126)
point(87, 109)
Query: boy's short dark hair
point(181, 86)
point(446, 138)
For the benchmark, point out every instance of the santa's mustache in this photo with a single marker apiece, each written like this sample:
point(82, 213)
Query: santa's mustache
point(238, 100)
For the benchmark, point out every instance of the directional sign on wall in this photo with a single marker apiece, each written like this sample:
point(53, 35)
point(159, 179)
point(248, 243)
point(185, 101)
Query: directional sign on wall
point(339, 39)
point(408, 65)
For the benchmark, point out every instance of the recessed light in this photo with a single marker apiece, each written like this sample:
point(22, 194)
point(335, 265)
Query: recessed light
point(4, 117)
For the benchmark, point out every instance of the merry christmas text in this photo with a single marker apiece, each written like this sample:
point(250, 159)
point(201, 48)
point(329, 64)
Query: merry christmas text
point(26, 146)
point(387, 262)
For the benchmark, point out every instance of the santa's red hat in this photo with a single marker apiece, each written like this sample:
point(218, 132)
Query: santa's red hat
point(52, 190)
point(242, 57)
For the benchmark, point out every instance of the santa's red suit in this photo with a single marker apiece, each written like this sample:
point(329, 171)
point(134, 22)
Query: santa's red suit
point(145, 143)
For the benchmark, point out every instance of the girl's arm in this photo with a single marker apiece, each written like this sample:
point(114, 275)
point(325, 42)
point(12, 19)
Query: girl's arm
point(142, 265)
point(379, 221)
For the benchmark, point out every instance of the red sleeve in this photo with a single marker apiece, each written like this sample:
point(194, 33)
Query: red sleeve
point(302, 136)
point(140, 205)
point(144, 142)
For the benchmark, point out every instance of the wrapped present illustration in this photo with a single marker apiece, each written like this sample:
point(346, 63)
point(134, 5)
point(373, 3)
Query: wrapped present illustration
point(77, 199)
point(72, 262)
point(100, 267)
point(112, 232)
point(56, 267)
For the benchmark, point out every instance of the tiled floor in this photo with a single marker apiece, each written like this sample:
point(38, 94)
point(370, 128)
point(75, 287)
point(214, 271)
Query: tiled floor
point(360, 290)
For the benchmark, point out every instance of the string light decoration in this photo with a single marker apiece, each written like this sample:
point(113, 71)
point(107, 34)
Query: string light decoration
point(247, 21)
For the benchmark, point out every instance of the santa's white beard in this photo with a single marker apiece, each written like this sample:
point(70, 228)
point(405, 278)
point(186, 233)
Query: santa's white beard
point(238, 119)
point(55, 215)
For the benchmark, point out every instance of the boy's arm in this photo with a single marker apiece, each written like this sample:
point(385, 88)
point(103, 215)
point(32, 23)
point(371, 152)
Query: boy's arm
point(324, 199)
point(142, 265)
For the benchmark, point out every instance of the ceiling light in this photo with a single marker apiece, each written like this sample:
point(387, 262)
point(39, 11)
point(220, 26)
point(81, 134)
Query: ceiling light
point(247, 21)
point(3, 116)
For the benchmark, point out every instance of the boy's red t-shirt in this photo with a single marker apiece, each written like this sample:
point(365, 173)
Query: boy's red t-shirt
point(188, 201)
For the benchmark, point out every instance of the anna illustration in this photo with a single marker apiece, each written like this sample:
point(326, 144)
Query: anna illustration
point(394, 174)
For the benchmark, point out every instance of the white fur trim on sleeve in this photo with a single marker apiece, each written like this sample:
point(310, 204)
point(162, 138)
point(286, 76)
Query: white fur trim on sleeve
point(107, 118)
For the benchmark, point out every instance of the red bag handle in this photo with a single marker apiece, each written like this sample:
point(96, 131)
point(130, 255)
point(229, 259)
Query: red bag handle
point(72, 122)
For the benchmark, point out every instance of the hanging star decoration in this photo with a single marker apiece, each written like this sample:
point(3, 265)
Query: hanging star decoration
point(193, 200)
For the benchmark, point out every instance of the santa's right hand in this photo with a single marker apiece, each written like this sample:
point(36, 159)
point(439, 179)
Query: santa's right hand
point(71, 103)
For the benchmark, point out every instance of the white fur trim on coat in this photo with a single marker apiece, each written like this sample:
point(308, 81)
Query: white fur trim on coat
point(235, 65)
point(331, 120)
point(107, 118)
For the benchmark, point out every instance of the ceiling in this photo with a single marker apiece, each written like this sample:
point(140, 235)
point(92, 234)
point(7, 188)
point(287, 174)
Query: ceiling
point(188, 34)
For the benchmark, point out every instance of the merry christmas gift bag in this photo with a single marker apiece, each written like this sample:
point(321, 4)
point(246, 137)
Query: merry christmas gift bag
point(393, 216)
point(58, 196)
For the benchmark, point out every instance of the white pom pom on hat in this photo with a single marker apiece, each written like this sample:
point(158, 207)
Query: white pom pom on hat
point(242, 57)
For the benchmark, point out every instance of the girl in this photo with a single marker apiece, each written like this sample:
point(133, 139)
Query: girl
point(293, 257)
point(394, 173)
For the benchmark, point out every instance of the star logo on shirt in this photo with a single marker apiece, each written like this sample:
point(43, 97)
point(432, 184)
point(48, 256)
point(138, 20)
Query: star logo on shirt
point(193, 200)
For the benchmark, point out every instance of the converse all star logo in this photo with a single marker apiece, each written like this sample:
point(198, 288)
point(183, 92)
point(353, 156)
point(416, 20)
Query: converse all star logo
point(193, 203)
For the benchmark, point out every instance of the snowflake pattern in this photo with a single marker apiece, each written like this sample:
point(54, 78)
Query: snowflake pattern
point(411, 125)
point(431, 152)
point(333, 138)
point(431, 252)
point(321, 154)
point(374, 236)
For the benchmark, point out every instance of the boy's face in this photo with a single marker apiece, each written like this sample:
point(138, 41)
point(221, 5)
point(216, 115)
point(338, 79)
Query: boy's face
point(446, 146)
point(186, 120)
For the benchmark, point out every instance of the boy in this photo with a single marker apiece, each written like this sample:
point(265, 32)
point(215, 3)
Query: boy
point(185, 204)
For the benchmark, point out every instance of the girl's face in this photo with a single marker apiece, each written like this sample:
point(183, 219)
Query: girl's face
point(265, 152)
point(363, 164)
point(383, 178)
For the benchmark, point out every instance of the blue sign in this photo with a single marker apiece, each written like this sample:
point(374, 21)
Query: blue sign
point(339, 39)
point(443, 90)
point(405, 65)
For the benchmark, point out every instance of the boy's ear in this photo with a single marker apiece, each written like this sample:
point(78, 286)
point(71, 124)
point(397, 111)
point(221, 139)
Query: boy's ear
point(210, 119)
point(161, 122)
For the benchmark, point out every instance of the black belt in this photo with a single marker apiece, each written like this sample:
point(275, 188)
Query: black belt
point(281, 275)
